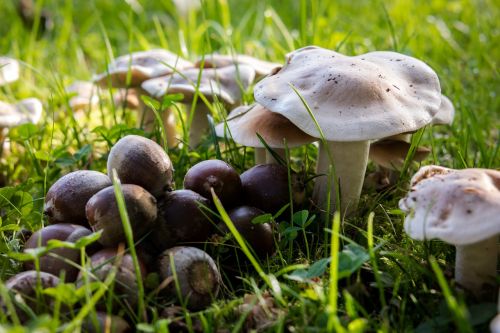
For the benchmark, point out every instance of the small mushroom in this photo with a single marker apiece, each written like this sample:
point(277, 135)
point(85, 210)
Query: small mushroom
point(258, 235)
point(244, 122)
point(128, 98)
point(261, 67)
point(103, 322)
point(353, 100)
point(215, 174)
point(82, 95)
point(265, 186)
point(460, 207)
point(198, 278)
point(225, 84)
point(28, 110)
point(180, 220)
point(103, 214)
point(143, 162)
point(66, 198)
point(24, 287)
point(125, 282)
point(61, 258)
point(9, 70)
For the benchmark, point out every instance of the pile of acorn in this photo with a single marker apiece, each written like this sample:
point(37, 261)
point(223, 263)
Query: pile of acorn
point(163, 221)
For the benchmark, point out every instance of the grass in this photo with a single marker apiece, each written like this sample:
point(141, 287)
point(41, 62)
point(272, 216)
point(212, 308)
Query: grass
point(384, 281)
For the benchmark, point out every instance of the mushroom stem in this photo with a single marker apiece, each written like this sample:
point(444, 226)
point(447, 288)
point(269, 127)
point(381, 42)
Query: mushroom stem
point(270, 158)
point(476, 265)
point(199, 125)
point(349, 159)
point(147, 119)
point(260, 155)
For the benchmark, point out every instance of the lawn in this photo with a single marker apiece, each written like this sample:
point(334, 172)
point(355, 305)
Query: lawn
point(382, 281)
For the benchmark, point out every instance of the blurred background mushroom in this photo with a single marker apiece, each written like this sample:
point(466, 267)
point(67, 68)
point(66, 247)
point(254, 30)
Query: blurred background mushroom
point(214, 60)
point(226, 85)
point(83, 95)
point(9, 70)
point(460, 207)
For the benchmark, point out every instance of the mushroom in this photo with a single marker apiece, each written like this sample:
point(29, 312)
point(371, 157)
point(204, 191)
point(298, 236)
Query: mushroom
point(195, 274)
point(28, 110)
point(66, 199)
point(218, 175)
point(180, 220)
point(128, 98)
point(354, 100)
point(460, 207)
point(103, 214)
point(214, 60)
point(61, 258)
point(244, 122)
point(82, 95)
point(9, 70)
point(143, 162)
point(224, 84)
point(142, 66)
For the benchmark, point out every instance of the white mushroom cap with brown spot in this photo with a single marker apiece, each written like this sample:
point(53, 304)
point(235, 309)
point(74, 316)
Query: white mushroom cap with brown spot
point(226, 83)
point(214, 60)
point(27, 111)
point(9, 70)
point(459, 207)
point(142, 66)
point(365, 97)
point(245, 121)
point(445, 114)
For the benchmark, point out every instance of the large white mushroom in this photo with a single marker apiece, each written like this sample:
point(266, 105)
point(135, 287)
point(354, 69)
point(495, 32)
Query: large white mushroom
point(225, 84)
point(354, 100)
point(460, 207)
point(131, 70)
point(244, 122)
point(9, 70)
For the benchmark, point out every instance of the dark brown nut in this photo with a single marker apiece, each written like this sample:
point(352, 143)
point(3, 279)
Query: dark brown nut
point(24, 288)
point(259, 236)
point(218, 175)
point(59, 259)
point(125, 283)
point(198, 278)
point(142, 162)
point(265, 186)
point(102, 322)
point(103, 214)
point(65, 201)
point(180, 220)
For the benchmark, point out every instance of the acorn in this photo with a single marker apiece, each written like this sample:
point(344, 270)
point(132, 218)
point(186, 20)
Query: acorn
point(66, 199)
point(180, 220)
point(142, 162)
point(198, 278)
point(218, 175)
point(58, 259)
point(103, 214)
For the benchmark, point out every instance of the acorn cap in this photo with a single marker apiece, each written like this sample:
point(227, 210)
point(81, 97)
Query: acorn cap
point(142, 65)
point(365, 97)
point(225, 83)
point(29, 110)
point(459, 207)
point(9, 70)
point(245, 121)
point(261, 67)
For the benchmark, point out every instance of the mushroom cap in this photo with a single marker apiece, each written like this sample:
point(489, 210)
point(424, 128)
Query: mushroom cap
point(128, 97)
point(370, 96)
point(29, 110)
point(261, 67)
point(459, 207)
point(391, 154)
point(445, 114)
point(82, 95)
point(142, 65)
point(9, 70)
point(226, 83)
point(247, 120)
